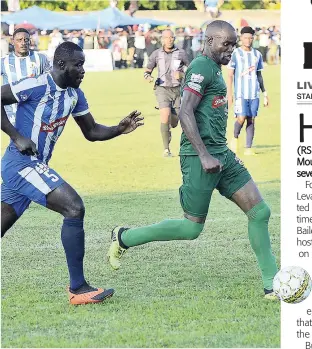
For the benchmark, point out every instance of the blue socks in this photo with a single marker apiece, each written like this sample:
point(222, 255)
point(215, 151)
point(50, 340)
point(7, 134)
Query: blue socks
point(73, 242)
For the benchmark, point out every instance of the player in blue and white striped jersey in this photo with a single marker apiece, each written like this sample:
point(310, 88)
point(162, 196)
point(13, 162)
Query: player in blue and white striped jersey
point(245, 69)
point(20, 64)
point(44, 105)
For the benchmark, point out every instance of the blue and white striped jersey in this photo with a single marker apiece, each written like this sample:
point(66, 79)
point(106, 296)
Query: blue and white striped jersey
point(42, 111)
point(245, 65)
point(14, 68)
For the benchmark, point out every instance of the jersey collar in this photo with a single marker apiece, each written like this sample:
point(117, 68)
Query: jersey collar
point(18, 57)
point(174, 49)
point(58, 88)
point(203, 54)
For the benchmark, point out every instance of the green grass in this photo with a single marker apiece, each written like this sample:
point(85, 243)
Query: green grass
point(201, 293)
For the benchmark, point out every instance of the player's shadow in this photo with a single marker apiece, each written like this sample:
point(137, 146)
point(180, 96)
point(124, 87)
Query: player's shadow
point(275, 146)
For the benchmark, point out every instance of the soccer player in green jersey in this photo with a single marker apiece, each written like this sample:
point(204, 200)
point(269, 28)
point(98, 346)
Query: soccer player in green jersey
point(207, 163)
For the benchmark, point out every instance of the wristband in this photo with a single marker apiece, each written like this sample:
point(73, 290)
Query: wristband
point(265, 94)
point(147, 75)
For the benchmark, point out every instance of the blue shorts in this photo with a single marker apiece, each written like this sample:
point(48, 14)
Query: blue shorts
point(26, 180)
point(246, 107)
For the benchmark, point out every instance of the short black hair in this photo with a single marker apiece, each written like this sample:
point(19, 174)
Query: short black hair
point(65, 51)
point(20, 30)
point(247, 30)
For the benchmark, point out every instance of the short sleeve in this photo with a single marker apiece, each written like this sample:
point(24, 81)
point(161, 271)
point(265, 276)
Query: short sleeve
point(233, 62)
point(81, 107)
point(23, 89)
point(197, 78)
point(260, 62)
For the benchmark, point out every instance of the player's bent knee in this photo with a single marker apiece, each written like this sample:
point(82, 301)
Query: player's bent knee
point(76, 209)
point(191, 230)
point(260, 212)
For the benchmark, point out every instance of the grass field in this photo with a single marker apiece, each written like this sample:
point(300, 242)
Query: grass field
point(201, 293)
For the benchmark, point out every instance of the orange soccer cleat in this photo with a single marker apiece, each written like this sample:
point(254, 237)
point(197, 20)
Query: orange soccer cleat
point(87, 294)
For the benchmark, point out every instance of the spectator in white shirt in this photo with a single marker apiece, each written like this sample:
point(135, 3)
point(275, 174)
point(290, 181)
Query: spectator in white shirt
point(139, 44)
point(264, 41)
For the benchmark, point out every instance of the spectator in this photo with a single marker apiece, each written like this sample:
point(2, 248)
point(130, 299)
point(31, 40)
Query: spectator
point(104, 40)
point(153, 45)
point(264, 41)
point(56, 38)
point(116, 50)
point(196, 43)
point(4, 45)
point(75, 38)
point(131, 48)
point(67, 36)
point(139, 44)
point(124, 48)
point(88, 41)
point(187, 47)
point(255, 43)
point(34, 40)
point(179, 41)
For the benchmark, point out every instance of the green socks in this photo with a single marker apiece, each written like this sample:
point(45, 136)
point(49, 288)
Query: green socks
point(164, 129)
point(258, 221)
point(169, 229)
point(184, 229)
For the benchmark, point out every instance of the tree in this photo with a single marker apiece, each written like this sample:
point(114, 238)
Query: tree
point(167, 5)
point(271, 4)
point(233, 5)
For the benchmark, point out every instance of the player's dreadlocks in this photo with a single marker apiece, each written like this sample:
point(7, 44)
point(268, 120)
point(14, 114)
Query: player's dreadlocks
point(65, 51)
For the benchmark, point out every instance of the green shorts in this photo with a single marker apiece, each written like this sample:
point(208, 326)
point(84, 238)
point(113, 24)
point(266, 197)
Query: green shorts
point(197, 187)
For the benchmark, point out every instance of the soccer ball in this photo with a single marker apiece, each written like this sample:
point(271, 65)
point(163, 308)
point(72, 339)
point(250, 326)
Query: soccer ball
point(292, 284)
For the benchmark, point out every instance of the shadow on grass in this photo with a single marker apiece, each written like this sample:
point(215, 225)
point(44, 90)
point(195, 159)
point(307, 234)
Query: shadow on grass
point(276, 146)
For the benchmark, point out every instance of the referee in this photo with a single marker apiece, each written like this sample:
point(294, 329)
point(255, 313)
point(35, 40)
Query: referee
point(170, 62)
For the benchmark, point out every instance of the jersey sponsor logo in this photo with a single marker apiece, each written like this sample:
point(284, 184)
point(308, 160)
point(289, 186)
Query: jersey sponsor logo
point(194, 86)
point(54, 125)
point(197, 78)
point(248, 71)
point(218, 101)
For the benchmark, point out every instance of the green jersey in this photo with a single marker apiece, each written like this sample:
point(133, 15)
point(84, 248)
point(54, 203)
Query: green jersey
point(204, 78)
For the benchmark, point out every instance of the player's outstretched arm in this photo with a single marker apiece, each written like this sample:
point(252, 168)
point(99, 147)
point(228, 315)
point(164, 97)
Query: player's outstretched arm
point(25, 145)
point(97, 132)
point(189, 104)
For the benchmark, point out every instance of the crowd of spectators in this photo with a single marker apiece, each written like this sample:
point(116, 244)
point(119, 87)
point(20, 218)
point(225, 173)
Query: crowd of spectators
point(131, 46)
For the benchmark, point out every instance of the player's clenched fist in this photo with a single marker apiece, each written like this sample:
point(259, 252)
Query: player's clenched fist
point(210, 164)
point(26, 146)
point(131, 122)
